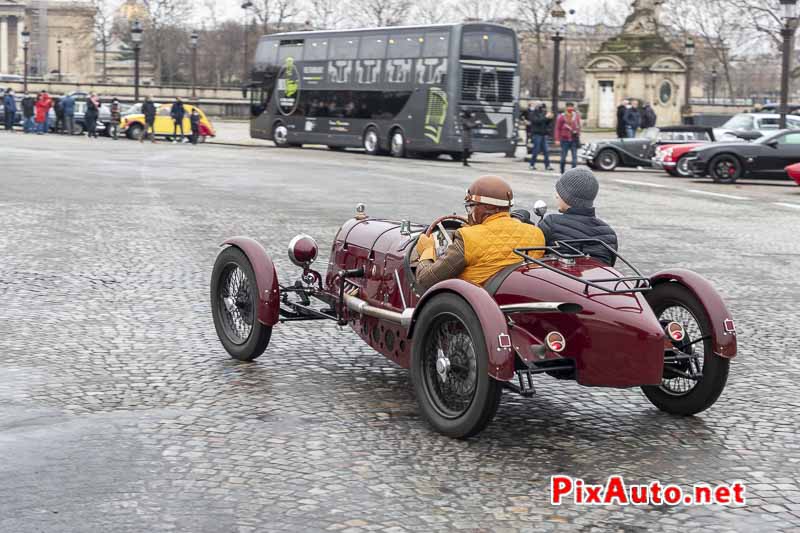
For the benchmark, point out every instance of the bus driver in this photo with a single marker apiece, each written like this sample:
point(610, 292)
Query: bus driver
point(484, 246)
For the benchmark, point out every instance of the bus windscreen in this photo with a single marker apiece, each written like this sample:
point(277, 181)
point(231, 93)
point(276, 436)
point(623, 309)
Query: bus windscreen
point(491, 45)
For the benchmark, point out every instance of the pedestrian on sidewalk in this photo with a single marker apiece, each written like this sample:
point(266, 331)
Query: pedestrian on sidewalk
point(68, 108)
point(10, 109)
point(194, 118)
point(633, 119)
point(568, 134)
point(178, 113)
point(649, 117)
point(116, 116)
point(43, 105)
point(149, 112)
point(468, 123)
point(92, 112)
point(58, 107)
point(28, 110)
point(541, 125)
point(622, 131)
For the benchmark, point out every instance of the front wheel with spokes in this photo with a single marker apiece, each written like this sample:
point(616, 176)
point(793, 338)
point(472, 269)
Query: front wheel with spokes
point(695, 376)
point(449, 369)
point(234, 306)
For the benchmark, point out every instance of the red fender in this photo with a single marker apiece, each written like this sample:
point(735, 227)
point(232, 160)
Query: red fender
point(723, 330)
point(493, 323)
point(266, 278)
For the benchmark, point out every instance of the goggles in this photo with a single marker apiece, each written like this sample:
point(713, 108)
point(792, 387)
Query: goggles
point(473, 199)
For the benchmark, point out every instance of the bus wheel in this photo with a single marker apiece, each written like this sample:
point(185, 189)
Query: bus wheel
point(398, 143)
point(280, 135)
point(370, 141)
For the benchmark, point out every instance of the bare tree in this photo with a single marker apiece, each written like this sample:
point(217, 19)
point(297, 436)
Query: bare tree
point(164, 36)
point(103, 28)
point(432, 11)
point(381, 12)
point(272, 15)
point(763, 16)
point(325, 14)
point(535, 17)
point(479, 9)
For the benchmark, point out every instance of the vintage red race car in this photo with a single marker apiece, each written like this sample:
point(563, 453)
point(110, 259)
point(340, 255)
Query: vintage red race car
point(566, 315)
point(794, 172)
point(672, 158)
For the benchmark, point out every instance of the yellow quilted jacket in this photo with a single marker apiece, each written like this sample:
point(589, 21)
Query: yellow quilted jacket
point(489, 247)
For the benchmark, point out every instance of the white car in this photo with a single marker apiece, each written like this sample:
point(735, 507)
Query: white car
point(763, 123)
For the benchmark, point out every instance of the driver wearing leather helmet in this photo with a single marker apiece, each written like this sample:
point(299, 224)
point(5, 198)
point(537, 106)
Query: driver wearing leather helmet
point(484, 246)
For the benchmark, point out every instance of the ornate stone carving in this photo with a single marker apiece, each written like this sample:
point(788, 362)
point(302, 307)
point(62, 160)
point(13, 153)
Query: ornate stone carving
point(645, 18)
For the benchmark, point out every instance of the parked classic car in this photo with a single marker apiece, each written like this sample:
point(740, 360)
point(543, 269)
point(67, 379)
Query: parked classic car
point(638, 152)
point(673, 158)
point(765, 158)
point(132, 124)
point(103, 116)
point(760, 123)
point(565, 314)
point(794, 172)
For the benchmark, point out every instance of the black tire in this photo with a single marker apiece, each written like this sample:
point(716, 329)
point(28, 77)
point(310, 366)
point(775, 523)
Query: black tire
point(466, 342)
point(280, 135)
point(371, 141)
point(607, 160)
point(397, 143)
point(725, 168)
point(135, 132)
point(241, 346)
point(672, 172)
point(668, 397)
point(682, 167)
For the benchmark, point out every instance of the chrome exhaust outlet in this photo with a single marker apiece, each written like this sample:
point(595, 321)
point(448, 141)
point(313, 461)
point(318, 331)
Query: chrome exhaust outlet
point(542, 307)
point(363, 308)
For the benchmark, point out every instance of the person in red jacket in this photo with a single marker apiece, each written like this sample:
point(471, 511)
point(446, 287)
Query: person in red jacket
point(43, 105)
point(568, 134)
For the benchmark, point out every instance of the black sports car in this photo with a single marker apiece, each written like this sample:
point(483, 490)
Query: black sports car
point(638, 152)
point(764, 158)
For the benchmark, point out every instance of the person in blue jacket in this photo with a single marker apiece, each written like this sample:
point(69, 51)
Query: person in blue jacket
point(68, 107)
point(10, 109)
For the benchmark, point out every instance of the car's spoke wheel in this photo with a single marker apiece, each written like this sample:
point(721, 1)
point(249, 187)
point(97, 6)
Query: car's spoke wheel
point(280, 135)
point(398, 144)
point(693, 383)
point(234, 305)
point(449, 369)
point(682, 167)
point(607, 160)
point(725, 169)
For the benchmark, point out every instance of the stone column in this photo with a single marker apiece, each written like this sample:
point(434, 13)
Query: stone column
point(4, 45)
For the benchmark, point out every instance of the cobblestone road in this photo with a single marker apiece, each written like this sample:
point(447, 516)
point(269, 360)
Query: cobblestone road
point(120, 411)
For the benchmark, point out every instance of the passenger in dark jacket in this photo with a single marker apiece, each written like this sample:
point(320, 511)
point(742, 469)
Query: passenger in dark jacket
point(178, 112)
point(621, 131)
point(9, 109)
point(149, 112)
point(576, 192)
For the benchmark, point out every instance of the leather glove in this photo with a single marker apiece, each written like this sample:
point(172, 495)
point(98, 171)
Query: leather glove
point(426, 248)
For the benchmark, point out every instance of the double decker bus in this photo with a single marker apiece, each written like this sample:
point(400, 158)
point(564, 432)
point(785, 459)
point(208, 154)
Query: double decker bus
point(395, 90)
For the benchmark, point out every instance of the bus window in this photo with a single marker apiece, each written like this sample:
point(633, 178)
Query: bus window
point(316, 50)
point(497, 46)
point(405, 45)
point(373, 47)
point(343, 48)
point(293, 49)
point(266, 53)
point(436, 45)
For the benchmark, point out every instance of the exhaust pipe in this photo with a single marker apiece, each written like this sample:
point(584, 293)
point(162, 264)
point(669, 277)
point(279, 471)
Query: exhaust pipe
point(363, 308)
point(542, 307)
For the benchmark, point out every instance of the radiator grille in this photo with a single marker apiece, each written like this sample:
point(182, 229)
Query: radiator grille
point(487, 85)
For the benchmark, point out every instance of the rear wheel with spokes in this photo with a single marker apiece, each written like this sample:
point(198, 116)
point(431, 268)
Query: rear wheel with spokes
point(694, 381)
point(449, 369)
point(234, 304)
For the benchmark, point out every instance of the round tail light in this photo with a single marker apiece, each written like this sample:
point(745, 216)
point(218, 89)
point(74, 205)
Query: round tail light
point(556, 341)
point(675, 332)
point(303, 250)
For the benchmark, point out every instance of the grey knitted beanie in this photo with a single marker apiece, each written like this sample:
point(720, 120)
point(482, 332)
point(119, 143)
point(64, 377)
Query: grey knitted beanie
point(578, 187)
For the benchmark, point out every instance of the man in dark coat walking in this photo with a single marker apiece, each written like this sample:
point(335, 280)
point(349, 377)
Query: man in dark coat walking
point(10, 109)
point(178, 112)
point(149, 112)
point(621, 132)
point(28, 110)
point(649, 117)
point(468, 123)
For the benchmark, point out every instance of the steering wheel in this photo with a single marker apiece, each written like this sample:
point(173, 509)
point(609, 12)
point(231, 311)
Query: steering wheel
point(437, 224)
point(411, 252)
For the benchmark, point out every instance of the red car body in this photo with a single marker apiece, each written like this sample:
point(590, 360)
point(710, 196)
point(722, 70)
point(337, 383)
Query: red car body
point(610, 335)
point(670, 157)
point(794, 172)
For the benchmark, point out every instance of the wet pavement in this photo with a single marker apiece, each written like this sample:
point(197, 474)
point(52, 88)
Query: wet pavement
point(120, 411)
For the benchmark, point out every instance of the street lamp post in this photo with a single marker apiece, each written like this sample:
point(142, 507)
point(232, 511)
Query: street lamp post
point(714, 85)
point(194, 38)
point(789, 16)
point(559, 17)
point(245, 6)
point(59, 43)
point(688, 53)
point(136, 37)
point(26, 38)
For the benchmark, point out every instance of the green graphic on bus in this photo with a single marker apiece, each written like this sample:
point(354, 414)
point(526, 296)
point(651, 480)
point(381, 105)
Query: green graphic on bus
point(435, 114)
